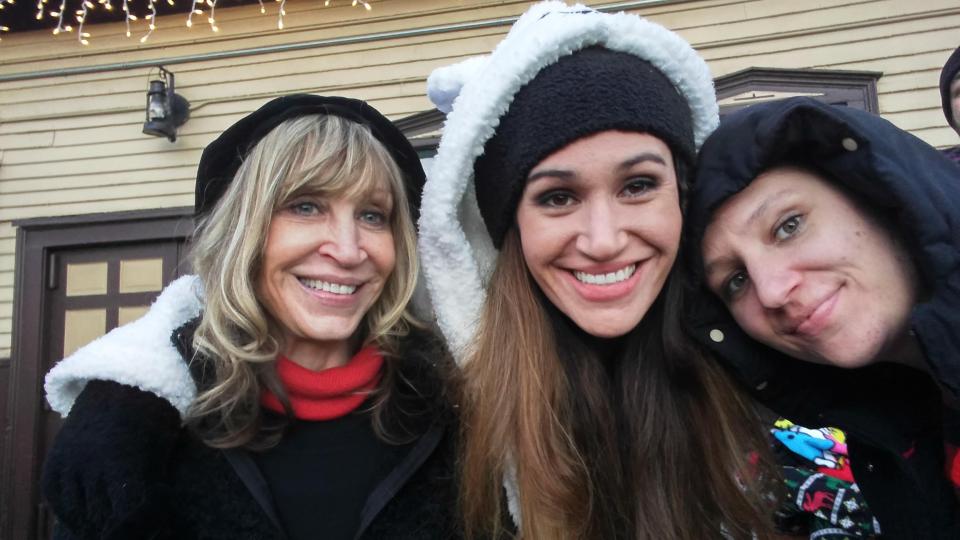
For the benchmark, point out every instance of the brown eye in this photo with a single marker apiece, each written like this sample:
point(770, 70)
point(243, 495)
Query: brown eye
point(637, 187)
point(556, 199)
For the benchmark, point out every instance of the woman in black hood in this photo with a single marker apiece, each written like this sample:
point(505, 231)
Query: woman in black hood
point(829, 242)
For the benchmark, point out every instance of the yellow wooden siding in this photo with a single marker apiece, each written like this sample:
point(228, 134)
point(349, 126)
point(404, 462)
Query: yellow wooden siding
point(7, 242)
point(72, 144)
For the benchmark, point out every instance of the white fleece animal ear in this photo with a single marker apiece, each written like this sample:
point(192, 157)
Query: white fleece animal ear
point(139, 354)
point(444, 84)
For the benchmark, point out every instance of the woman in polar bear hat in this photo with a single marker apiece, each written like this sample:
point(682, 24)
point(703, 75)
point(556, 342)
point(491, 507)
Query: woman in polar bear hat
point(550, 223)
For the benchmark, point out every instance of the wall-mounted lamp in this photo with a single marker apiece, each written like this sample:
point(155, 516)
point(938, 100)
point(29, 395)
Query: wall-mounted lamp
point(166, 110)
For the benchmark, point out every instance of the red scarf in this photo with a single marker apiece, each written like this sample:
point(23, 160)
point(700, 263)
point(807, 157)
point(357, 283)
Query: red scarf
point(329, 393)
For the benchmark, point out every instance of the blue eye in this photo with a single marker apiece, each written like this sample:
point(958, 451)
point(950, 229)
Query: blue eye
point(788, 228)
point(373, 218)
point(734, 285)
point(305, 208)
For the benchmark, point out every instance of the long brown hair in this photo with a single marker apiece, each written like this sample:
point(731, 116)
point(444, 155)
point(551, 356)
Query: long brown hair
point(643, 437)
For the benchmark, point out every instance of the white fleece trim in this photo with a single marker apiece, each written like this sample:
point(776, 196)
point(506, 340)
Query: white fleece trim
point(456, 252)
point(139, 354)
point(512, 490)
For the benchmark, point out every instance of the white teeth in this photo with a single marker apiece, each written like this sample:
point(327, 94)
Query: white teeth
point(608, 278)
point(335, 288)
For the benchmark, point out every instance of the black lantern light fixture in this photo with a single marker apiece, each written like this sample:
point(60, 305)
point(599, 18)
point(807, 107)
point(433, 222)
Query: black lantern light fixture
point(166, 110)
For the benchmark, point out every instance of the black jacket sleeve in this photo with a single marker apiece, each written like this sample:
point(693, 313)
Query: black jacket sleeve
point(104, 475)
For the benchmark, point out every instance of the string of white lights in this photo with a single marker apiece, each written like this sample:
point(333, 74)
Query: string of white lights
point(2, 7)
point(59, 14)
point(193, 11)
point(196, 8)
point(152, 18)
point(212, 18)
point(41, 5)
point(127, 16)
point(81, 18)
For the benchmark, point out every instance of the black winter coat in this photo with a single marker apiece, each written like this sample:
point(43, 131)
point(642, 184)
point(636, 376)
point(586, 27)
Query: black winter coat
point(122, 467)
point(893, 415)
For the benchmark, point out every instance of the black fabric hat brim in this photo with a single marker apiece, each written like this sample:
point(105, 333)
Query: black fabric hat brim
point(222, 158)
point(587, 92)
point(949, 72)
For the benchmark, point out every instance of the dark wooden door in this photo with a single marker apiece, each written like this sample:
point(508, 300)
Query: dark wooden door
point(91, 291)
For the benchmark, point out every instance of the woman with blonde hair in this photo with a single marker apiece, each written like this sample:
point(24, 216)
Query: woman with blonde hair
point(312, 401)
point(550, 223)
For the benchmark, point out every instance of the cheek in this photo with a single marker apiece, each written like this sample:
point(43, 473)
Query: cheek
point(748, 315)
point(539, 247)
point(661, 227)
point(533, 234)
point(383, 253)
point(274, 248)
point(672, 229)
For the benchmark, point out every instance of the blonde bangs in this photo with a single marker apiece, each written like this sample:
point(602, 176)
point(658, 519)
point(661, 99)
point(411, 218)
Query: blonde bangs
point(314, 154)
point(337, 159)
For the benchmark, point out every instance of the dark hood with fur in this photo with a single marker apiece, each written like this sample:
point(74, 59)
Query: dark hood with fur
point(893, 414)
point(890, 169)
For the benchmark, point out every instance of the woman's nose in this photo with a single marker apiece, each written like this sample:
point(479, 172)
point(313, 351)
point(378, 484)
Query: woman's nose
point(774, 282)
point(344, 244)
point(602, 236)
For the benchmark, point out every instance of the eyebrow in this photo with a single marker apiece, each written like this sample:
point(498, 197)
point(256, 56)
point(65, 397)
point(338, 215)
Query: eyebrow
point(709, 268)
point(566, 174)
point(765, 205)
point(757, 213)
point(563, 174)
point(640, 158)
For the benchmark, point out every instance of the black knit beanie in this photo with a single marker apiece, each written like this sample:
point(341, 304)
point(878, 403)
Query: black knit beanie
point(222, 158)
point(587, 92)
point(949, 72)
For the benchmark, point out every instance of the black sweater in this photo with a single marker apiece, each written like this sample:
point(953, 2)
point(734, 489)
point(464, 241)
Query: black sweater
point(123, 467)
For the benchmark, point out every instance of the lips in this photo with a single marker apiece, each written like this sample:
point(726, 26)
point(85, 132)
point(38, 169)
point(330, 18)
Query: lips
point(818, 319)
point(606, 278)
point(330, 291)
point(333, 287)
point(606, 284)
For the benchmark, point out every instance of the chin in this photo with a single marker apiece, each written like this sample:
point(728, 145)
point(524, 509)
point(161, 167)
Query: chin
point(603, 330)
point(847, 359)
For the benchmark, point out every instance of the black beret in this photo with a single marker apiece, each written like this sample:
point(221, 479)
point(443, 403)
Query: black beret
point(222, 158)
point(589, 91)
point(949, 72)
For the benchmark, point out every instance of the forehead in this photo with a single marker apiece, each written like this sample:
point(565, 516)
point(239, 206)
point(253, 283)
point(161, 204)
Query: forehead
point(367, 183)
point(604, 149)
point(773, 186)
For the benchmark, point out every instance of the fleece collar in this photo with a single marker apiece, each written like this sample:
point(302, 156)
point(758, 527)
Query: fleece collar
point(456, 252)
point(139, 354)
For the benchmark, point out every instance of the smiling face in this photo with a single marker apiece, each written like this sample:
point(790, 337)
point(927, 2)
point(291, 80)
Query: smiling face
point(325, 263)
point(804, 270)
point(599, 224)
